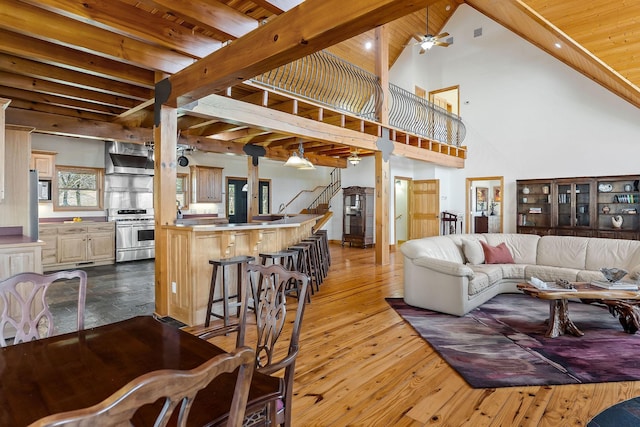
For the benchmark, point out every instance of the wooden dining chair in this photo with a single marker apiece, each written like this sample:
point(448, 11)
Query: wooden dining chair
point(177, 388)
point(24, 311)
point(269, 286)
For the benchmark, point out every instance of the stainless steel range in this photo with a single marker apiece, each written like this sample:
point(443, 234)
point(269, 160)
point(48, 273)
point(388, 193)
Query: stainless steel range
point(129, 199)
point(135, 234)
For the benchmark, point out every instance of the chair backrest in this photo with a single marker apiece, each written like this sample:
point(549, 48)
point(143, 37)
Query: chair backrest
point(24, 312)
point(174, 386)
point(269, 286)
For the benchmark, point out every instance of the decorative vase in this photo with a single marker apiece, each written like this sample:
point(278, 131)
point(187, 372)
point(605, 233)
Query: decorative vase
point(525, 190)
point(616, 221)
point(605, 209)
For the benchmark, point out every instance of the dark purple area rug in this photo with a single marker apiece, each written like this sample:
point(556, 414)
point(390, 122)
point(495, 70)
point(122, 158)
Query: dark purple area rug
point(502, 343)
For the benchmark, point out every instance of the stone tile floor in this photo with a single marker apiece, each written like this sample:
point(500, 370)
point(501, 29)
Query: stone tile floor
point(114, 292)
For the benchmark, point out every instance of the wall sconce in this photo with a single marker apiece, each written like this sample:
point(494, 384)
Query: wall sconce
point(353, 158)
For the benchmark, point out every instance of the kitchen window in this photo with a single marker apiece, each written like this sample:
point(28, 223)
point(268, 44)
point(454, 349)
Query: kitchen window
point(78, 188)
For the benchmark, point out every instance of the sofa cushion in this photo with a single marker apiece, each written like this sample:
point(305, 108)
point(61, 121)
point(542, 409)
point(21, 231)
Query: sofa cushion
point(479, 283)
point(496, 254)
point(613, 253)
point(551, 274)
point(563, 251)
point(493, 271)
point(439, 247)
point(523, 247)
point(513, 271)
point(473, 252)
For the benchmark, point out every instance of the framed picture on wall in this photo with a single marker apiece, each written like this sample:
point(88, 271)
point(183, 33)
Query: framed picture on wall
point(496, 194)
point(482, 194)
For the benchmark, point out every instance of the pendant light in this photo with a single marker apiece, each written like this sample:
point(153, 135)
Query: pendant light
point(353, 158)
point(298, 160)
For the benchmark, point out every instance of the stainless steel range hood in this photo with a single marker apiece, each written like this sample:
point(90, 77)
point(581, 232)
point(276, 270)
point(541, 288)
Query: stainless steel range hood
point(127, 158)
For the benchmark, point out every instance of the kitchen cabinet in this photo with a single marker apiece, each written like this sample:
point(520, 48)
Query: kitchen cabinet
point(20, 259)
point(44, 162)
point(206, 184)
point(77, 244)
point(357, 219)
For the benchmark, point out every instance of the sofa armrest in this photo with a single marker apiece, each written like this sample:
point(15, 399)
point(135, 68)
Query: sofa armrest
point(445, 267)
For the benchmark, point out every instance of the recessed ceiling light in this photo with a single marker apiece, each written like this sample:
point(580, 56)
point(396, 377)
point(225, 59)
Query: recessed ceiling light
point(558, 45)
point(368, 45)
point(448, 8)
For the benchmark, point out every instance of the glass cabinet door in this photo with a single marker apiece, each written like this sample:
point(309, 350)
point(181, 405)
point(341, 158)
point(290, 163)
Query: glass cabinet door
point(582, 206)
point(353, 214)
point(564, 205)
point(574, 206)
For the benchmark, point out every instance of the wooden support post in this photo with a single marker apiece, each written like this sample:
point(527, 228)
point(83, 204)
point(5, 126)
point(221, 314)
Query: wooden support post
point(382, 166)
point(382, 210)
point(253, 201)
point(164, 191)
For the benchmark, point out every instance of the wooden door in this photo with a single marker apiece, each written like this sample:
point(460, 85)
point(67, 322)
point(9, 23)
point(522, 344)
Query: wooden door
point(424, 208)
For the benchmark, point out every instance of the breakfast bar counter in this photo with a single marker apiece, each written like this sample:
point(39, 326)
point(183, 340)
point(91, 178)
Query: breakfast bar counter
point(190, 247)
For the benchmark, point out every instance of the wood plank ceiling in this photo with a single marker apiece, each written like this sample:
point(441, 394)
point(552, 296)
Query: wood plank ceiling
point(89, 67)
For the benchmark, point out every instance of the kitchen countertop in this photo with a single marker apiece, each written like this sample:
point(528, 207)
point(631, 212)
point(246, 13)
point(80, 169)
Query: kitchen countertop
point(288, 222)
point(19, 240)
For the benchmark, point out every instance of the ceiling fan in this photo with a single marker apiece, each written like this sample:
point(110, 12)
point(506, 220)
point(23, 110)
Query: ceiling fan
point(427, 41)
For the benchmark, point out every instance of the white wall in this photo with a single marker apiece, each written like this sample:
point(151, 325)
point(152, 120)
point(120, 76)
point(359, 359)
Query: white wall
point(527, 114)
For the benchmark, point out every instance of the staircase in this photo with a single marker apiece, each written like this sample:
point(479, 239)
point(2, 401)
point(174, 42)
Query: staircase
point(322, 203)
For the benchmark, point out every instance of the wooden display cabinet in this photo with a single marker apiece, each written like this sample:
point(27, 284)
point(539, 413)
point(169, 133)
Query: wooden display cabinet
point(580, 206)
point(534, 206)
point(357, 220)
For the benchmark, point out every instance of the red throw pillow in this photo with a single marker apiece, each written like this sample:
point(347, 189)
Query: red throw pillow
point(496, 255)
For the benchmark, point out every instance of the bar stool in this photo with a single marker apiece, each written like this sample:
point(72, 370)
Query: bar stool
point(304, 264)
point(221, 264)
point(316, 270)
point(325, 242)
point(324, 251)
point(322, 268)
point(288, 259)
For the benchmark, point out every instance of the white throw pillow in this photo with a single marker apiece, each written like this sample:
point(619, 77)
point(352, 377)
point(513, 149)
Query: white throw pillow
point(473, 252)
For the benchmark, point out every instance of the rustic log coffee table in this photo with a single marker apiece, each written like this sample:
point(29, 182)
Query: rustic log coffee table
point(618, 301)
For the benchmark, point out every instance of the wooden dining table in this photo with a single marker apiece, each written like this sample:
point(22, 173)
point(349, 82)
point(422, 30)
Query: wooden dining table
point(80, 369)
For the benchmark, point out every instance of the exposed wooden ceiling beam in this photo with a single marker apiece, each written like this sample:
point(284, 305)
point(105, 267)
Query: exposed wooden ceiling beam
point(71, 126)
point(215, 16)
point(277, 6)
point(117, 104)
point(44, 25)
point(49, 53)
point(124, 19)
point(305, 29)
point(22, 104)
point(25, 67)
point(51, 99)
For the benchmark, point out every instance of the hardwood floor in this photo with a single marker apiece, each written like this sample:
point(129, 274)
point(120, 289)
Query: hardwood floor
point(360, 364)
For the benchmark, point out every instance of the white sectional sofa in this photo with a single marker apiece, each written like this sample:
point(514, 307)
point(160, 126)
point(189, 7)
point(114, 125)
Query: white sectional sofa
point(448, 273)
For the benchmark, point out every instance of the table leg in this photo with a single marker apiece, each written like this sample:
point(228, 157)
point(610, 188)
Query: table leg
point(559, 322)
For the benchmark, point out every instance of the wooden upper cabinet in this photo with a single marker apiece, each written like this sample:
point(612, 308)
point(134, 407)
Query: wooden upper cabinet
point(44, 162)
point(206, 184)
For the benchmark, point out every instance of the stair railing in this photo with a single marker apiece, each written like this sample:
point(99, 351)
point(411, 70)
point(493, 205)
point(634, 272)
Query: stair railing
point(324, 198)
